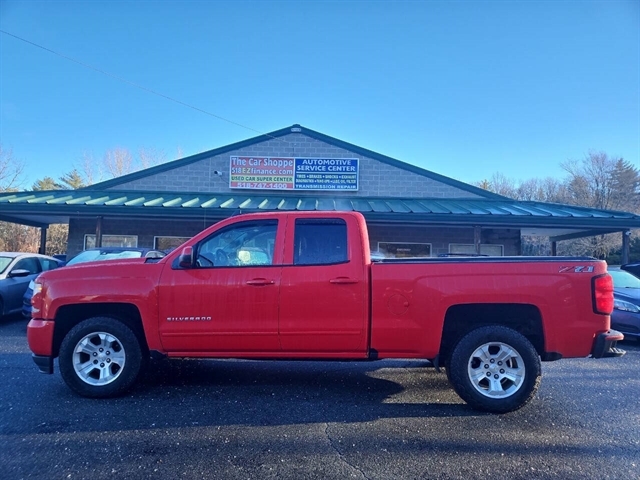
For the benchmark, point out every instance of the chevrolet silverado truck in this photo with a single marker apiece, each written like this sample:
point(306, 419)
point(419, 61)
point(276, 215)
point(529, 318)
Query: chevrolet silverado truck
point(302, 285)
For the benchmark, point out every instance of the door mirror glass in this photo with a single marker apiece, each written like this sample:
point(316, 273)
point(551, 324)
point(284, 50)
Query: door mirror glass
point(186, 257)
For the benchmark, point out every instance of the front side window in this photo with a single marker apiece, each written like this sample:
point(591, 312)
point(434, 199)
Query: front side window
point(240, 245)
point(31, 264)
point(4, 263)
point(320, 241)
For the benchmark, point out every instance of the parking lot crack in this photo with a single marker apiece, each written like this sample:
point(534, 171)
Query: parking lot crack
point(332, 443)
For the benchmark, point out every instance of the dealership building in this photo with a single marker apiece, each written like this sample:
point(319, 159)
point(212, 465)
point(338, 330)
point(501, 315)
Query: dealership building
point(410, 211)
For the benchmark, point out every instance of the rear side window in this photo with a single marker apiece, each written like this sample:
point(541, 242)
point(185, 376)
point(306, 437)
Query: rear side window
point(320, 241)
point(48, 264)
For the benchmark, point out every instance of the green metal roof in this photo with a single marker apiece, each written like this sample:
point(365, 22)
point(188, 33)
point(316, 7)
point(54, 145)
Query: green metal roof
point(42, 207)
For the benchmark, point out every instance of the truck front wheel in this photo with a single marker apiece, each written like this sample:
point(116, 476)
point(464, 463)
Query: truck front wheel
point(100, 357)
point(495, 369)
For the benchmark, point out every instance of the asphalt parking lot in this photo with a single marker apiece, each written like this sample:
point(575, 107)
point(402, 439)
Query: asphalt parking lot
point(197, 419)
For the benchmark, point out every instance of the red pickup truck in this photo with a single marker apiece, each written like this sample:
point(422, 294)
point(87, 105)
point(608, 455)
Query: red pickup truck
point(302, 285)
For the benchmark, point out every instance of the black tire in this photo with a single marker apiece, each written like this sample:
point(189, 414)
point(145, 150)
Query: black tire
point(495, 369)
point(100, 357)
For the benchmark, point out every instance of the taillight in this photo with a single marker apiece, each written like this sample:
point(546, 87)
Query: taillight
point(603, 294)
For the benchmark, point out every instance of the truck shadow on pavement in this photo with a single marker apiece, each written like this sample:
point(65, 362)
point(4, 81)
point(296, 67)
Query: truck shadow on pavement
point(285, 392)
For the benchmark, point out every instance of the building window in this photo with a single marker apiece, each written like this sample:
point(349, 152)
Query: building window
point(404, 249)
point(111, 241)
point(168, 243)
point(470, 249)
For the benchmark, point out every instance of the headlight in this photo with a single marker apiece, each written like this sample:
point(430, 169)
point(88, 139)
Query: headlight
point(36, 301)
point(625, 306)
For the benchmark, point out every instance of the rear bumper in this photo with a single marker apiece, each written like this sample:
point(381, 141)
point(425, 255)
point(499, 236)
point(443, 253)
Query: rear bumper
point(44, 363)
point(605, 345)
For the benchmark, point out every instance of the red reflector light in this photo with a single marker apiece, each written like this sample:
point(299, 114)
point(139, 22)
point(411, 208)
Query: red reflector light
point(603, 294)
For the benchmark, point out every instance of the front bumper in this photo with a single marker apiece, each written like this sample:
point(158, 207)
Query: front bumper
point(605, 345)
point(40, 339)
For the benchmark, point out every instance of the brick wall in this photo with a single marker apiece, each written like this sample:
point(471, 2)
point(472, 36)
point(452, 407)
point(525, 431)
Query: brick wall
point(376, 178)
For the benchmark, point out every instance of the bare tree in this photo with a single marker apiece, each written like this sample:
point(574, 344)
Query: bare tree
point(115, 163)
point(19, 238)
point(118, 161)
point(150, 157)
point(91, 170)
point(603, 182)
point(57, 236)
point(597, 181)
point(11, 170)
point(499, 184)
point(541, 190)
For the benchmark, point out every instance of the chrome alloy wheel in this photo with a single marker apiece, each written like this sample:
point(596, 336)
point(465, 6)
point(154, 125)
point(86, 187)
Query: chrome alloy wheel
point(496, 370)
point(99, 358)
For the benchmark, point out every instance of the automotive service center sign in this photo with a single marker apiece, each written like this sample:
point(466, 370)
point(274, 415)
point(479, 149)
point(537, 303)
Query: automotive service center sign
point(290, 173)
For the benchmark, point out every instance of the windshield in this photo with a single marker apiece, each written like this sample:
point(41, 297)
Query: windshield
point(4, 263)
point(97, 255)
point(624, 280)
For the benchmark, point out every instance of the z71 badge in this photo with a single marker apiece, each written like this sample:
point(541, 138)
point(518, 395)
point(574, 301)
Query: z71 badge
point(579, 269)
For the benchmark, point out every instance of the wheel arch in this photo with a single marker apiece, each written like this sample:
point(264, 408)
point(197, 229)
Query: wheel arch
point(69, 316)
point(461, 319)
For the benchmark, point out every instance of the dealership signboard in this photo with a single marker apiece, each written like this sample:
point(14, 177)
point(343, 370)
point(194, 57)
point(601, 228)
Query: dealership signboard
point(290, 173)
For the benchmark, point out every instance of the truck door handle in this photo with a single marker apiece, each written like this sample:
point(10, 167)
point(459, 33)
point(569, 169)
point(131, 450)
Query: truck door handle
point(343, 280)
point(260, 282)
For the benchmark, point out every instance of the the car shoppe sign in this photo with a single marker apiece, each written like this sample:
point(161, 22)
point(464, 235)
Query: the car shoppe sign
point(290, 173)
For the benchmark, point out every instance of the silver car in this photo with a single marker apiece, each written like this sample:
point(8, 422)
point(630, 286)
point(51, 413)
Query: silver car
point(16, 271)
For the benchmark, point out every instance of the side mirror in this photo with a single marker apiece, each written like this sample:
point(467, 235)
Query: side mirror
point(19, 272)
point(186, 258)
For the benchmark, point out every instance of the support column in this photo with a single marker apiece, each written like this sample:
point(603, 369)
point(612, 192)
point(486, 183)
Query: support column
point(477, 238)
point(554, 249)
point(99, 232)
point(43, 241)
point(626, 235)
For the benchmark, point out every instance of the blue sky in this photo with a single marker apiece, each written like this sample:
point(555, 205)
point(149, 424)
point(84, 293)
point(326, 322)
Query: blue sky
point(462, 88)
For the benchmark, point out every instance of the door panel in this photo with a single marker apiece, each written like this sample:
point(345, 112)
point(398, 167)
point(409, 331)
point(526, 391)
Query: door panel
point(323, 307)
point(228, 302)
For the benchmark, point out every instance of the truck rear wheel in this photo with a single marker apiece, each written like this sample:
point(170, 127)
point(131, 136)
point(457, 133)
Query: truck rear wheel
point(100, 357)
point(495, 369)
